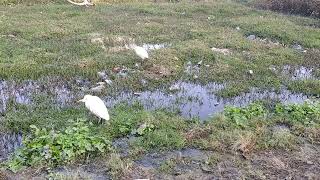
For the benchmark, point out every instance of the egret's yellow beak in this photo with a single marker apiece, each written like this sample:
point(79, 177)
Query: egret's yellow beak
point(81, 100)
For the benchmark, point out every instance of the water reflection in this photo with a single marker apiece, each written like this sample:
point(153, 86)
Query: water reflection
point(194, 100)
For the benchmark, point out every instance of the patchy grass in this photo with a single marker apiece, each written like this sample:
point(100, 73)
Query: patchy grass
point(118, 167)
point(245, 130)
point(302, 7)
point(55, 41)
point(255, 127)
point(167, 166)
point(61, 44)
point(167, 134)
point(309, 87)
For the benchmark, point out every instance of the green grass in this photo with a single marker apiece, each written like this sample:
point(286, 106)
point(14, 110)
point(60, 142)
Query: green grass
point(246, 130)
point(259, 127)
point(55, 41)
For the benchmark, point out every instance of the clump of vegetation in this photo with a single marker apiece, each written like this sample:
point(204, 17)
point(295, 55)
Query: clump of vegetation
point(259, 127)
point(49, 148)
point(307, 113)
point(282, 138)
point(126, 119)
point(167, 133)
point(309, 86)
point(302, 7)
point(118, 167)
point(240, 116)
point(167, 166)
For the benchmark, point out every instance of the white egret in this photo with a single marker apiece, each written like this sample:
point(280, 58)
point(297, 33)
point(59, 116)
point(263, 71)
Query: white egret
point(84, 3)
point(140, 51)
point(96, 106)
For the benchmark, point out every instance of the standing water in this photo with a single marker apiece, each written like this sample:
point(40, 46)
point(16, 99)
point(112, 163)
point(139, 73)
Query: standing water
point(194, 100)
point(189, 99)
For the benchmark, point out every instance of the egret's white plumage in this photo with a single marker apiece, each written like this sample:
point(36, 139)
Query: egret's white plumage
point(140, 51)
point(96, 106)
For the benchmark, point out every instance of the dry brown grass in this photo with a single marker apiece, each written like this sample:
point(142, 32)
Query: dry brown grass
point(301, 7)
point(246, 143)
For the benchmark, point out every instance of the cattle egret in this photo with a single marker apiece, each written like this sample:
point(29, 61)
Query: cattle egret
point(96, 106)
point(84, 3)
point(140, 51)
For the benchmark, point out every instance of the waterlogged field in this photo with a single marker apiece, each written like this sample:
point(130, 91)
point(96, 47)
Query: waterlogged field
point(228, 91)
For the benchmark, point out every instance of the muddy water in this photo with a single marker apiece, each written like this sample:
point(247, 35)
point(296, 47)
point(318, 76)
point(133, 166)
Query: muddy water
point(194, 100)
point(23, 93)
point(298, 73)
point(189, 99)
point(8, 143)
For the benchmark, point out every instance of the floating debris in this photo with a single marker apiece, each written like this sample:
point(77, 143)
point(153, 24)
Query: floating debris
point(137, 93)
point(273, 68)
point(79, 81)
point(143, 82)
point(223, 51)
point(251, 37)
point(174, 87)
point(99, 88)
point(102, 74)
point(299, 48)
point(123, 73)
point(108, 81)
point(116, 69)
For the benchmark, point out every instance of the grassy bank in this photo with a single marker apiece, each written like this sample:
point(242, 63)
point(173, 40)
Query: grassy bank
point(56, 40)
point(247, 131)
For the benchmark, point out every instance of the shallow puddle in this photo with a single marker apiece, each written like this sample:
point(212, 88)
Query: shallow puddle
point(298, 73)
point(8, 143)
point(189, 99)
point(194, 100)
point(155, 160)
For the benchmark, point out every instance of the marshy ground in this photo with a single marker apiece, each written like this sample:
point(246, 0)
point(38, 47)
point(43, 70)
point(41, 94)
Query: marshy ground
point(189, 112)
